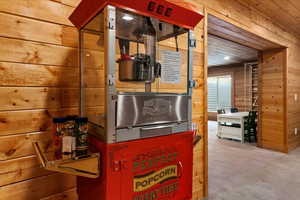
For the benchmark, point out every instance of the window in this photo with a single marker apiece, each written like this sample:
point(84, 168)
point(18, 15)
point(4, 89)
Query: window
point(219, 93)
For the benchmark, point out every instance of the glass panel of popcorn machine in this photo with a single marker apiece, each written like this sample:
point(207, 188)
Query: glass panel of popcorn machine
point(93, 79)
point(152, 55)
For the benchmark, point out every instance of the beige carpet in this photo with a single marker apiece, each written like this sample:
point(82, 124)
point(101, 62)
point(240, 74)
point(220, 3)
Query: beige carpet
point(244, 172)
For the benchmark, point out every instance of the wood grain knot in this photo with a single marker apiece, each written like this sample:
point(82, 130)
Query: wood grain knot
point(44, 127)
point(2, 120)
point(10, 152)
point(48, 113)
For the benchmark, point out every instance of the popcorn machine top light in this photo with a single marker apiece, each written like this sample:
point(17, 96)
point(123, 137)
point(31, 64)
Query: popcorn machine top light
point(130, 51)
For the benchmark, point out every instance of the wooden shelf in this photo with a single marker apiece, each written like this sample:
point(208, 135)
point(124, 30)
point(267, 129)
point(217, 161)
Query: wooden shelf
point(86, 166)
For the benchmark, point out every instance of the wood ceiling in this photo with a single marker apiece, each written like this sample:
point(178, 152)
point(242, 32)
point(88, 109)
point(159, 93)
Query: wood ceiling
point(231, 32)
point(219, 48)
point(285, 13)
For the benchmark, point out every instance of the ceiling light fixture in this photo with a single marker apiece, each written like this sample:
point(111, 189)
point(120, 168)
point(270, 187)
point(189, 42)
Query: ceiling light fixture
point(127, 17)
point(227, 58)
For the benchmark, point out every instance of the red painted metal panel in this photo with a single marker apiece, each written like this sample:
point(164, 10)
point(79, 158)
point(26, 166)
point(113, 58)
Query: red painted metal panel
point(157, 168)
point(172, 11)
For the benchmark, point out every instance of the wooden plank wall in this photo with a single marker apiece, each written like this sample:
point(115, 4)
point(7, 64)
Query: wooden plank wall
point(39, 77)
point(293, 89)
point(272, 100)
point(240, 99)
point(241, 14)
point(38, 80)
point(38, 70)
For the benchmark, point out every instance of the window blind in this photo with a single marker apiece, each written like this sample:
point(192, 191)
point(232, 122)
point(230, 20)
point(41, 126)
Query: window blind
point(219, 93)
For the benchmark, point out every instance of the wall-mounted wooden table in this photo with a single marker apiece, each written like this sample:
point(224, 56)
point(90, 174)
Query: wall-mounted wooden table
point(86, 166)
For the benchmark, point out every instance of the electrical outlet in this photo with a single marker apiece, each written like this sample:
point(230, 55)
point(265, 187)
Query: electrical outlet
point(296, 131)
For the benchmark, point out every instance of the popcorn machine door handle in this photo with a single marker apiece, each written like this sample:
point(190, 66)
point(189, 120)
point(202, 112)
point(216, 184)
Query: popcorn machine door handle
point(156, 131)
point(156, 127)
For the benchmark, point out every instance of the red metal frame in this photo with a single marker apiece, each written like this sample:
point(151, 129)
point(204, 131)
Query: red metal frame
point(172, 11)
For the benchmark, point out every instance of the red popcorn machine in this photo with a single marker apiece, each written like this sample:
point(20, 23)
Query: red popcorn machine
point(136, 59)
point(136, 90)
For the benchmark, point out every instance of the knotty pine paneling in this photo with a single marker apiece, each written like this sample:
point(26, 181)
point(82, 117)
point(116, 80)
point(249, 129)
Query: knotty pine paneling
point(273, 119)
point(42, 10)
point(30, 75)
point(20, 27)
point(293, 90)
point(66, 195)
point(39, 80)
point(21, 51)
point(27, 121)
point(218, 48)
point(38, 50)
point(286, 15)
point(39, 187)
point(247, 17)
point(231, 32)
point(17, 146)
point(38, 98)
point(20, 169)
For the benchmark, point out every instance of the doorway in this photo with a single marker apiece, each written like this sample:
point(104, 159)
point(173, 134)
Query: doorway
point(270, 69)
point(255, 70)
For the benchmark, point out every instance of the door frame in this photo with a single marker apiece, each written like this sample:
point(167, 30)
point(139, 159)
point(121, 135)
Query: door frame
point(209, 12)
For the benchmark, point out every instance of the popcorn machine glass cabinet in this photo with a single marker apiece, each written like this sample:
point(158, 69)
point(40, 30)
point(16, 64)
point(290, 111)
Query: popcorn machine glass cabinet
point(148, 53)
point(132, 54)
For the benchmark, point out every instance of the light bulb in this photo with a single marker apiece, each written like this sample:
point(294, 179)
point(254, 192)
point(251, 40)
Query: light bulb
point(227, 58)
point(127, 17)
